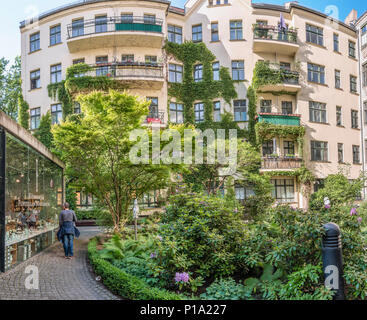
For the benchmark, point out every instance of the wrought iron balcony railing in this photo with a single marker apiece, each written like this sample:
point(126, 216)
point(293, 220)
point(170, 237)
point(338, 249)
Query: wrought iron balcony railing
point(275, 33)
point(127, 70)
point(281, 163)
point(82, 28)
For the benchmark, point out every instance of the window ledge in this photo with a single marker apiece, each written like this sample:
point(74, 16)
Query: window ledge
point(357, 163)
point(353, 58)
point(31, 90)
point(219, 5)
point(338, 52)
point(54, 45)
point(216, 41)
point(324, 123)
point(31, 52)
point(320, 161)
point(318, 83)
point(341, 126)
point(235, 40)
point(354, 93)
point(358, 129)
point(340, 89)
point(316, 45)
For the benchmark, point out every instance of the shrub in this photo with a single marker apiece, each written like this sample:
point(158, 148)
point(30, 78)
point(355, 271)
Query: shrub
point(225, 289)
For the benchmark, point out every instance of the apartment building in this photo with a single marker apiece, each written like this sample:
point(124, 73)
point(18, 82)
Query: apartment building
point(317, 57)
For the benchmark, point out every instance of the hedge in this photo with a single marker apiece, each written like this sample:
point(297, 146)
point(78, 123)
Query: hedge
point(124, 284)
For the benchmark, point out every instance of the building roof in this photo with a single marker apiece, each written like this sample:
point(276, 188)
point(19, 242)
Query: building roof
point(361, 17)
point(176, 10)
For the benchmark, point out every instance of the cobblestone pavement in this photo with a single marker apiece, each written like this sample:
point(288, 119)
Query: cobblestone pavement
point(59, 279)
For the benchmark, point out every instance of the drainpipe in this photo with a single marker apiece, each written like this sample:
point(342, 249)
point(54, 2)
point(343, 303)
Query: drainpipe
point(361, 110)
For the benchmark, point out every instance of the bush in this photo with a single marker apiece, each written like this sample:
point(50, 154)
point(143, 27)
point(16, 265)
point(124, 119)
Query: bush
point(225, 289)
point(124, 284)
point(91, 214)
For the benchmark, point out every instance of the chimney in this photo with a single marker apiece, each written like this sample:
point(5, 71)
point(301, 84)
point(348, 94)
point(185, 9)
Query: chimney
point(352, 17)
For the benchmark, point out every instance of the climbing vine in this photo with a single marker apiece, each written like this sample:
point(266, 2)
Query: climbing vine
point(208, 89)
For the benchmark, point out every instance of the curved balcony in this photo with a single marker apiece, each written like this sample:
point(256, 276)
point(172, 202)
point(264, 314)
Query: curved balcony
point(136, 74)
point(289, 81)
point(280, 119)
point(115, 31)
point(271, 39)
point(281, 163)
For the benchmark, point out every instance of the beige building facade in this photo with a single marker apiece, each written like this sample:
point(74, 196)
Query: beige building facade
point(317, 56)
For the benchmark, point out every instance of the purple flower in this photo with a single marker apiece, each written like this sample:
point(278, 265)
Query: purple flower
point(182, 277)
point(359, 219)
point(327, 206)
point(153, 255)
point(159, 238)
point(353, 211)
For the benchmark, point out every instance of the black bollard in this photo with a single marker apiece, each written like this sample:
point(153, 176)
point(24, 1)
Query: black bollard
point(332, 260)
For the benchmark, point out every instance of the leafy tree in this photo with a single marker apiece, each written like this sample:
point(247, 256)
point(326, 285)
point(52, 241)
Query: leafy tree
point(23, 112)
point(96, 150)
point(43, 133)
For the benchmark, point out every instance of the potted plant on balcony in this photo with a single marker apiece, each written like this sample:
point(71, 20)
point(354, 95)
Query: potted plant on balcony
point(273, 156)
point(290, 156)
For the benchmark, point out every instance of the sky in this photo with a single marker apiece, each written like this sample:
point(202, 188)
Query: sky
point(14, 11)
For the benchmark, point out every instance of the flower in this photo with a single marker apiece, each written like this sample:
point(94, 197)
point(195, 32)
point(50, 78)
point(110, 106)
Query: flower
point(182, 277)
point(153, 255)
point(353, 211)
point(159, 238)
point(327, 206)
point(359, 219)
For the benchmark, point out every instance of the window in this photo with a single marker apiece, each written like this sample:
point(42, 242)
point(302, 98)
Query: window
point(214, 31)
point(340, 153)
point(244, 192)
point(77, 27)
point(288, 148)
point(356, 158)
point(314, 35)
point(283, 190)
point(127, 18)
point(153, 108)
point(317, 112)
point(102, 70)
point(287, 107)
point(151, 59)
point(337, 79)
point(318, 185)
point(198, 73)
point(236, 30)
point(197, 35)
point(240, 110)
point(265, 106)
point(77, 108)
point(34, 42)
point(127, 58)
point(336, 42)
point(217, 115)
point(199, 112)
point(319, 151)
point(216, 69)
point(101, 24)
point(176, 112)
point(84, 199)
point(339, 118)
point(77, 61)
point(354, 114)
point(218, 2)
point(353, 84)
point(268, 148)
point(316, 73)
point(56, 113)
point(55, 35)
point(352, 49)
point(364, 36)
point(56, 73)
point(35, 79)
point(175, 34)
point(175, 73)
point(149, 18)
point(238, 70)
point(364, 75)
point(35, 118)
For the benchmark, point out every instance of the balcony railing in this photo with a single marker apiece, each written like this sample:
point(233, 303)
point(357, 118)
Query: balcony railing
point(289, 77)
point(114, 24)
point(280, 119)
point(274, 33)
point(281, 163)
point(127, 70)
point(155, 117)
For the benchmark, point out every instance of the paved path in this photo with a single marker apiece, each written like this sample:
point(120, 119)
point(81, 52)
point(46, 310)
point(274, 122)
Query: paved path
point(59, 279)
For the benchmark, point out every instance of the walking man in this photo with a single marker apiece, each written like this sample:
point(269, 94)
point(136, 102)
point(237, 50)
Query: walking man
point(67, 229)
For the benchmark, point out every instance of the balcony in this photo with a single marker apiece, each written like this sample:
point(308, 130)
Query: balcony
point(155, 117)
point(112, 31)
point(289, 81)
point(281, 163)
point(280, 119)
point(137, 75)
point(271, 39)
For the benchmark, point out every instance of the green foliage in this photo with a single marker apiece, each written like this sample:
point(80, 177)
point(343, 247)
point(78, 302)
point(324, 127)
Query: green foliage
point(71, 198)
point(251, 95)
point(225, 289)
point(23, 112)
point(339, 190)
point(59, 92)
point(189, 91)
point(124, 284)
point(201, 235)
point(43, 132)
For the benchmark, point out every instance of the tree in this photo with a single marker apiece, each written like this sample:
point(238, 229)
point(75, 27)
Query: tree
point(96, 147)
point(23, 112)
point(43, 133)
